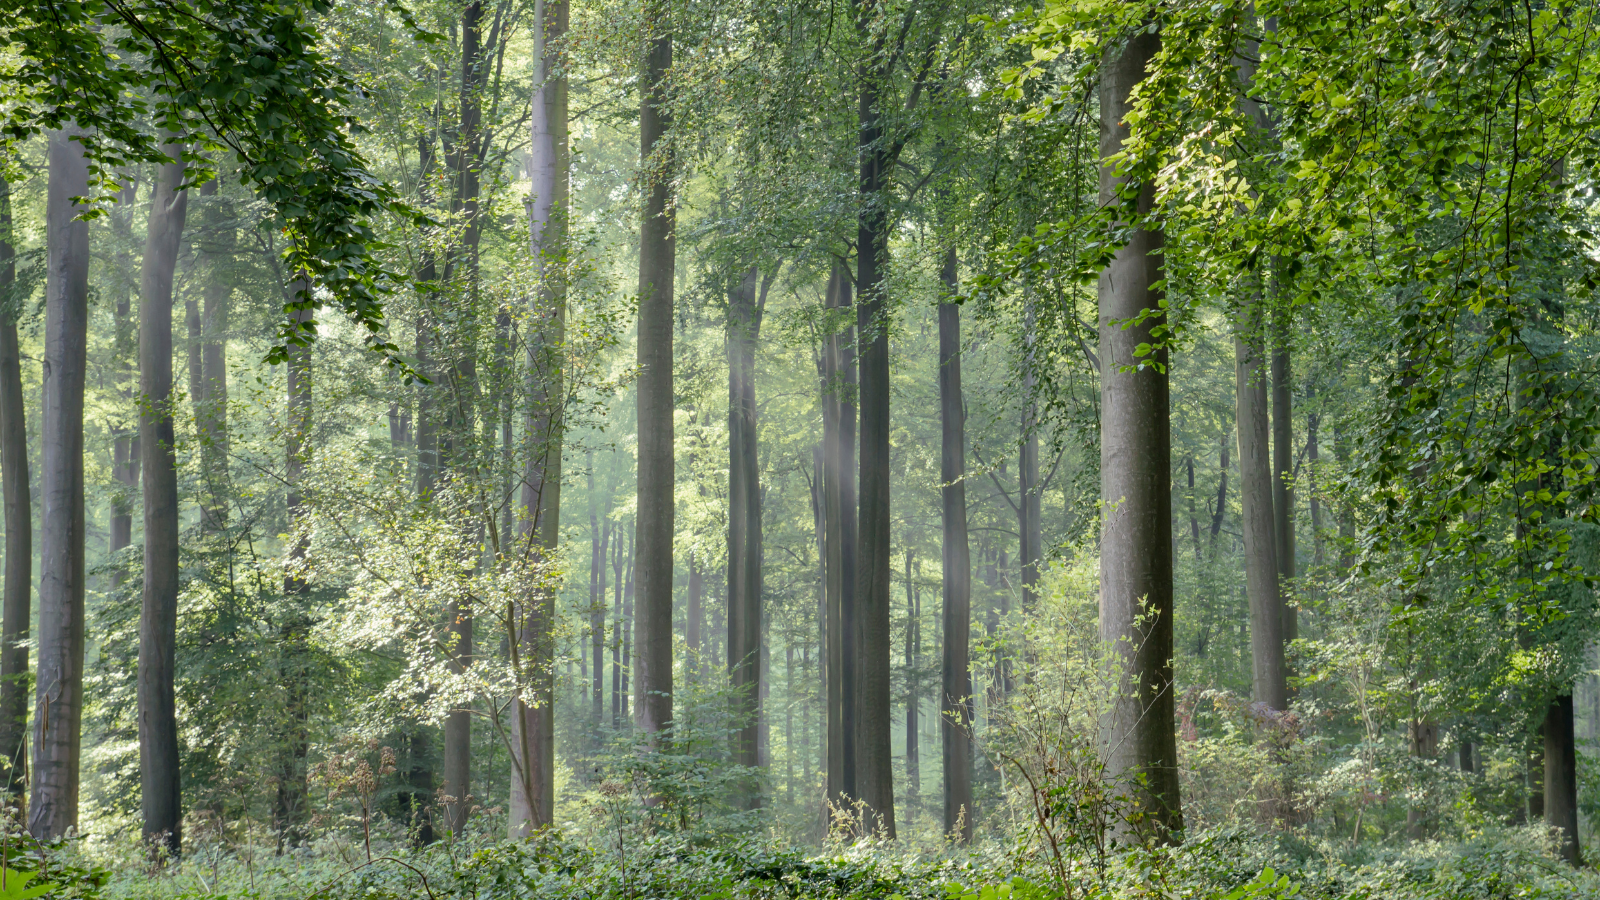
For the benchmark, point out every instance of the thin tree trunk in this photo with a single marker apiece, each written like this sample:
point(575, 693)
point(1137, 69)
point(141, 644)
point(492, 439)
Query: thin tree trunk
point(913, 698)
point(1270, 683)
point(618, 554)
point(955, 692)
point(654, 521)
point(58, 713)
point(211, 396)
point(839, 509)
point(788, 722)
point(1345, 512)
point(1194, 516)
point(17, 607)
point(1318, 540)
point(745, 306)
point(532, 806)
point(597, 626)
point(694, 632)
point(1283, 471)
point(160, 794)
point(626, 629)
point(1135, 475)
point(1219, 514)
point(290, 812)
point(125, 349)
point(1029, 515)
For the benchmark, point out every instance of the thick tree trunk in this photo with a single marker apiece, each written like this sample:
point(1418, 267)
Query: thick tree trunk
point(839, 510)
point(211, 394)
point(58, 713)
point(654, 522)
point(1269, 676)
point(1283, 519)
point(1135, 477)
point(160, 794)
point(873, 713)
point(16, 609)
point(291, 812)
point(746, 301)
point(532, 806)
point(1560, 776)
point(955, 686)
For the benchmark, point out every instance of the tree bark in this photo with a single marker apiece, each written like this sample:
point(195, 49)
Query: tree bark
point(1283, 472)
point(533, 805)
point(290, 812)
point(1135, 476)
point(654, 521)
point(873, 714)
point(618, 625)
point(210, 395)
point(746, 302)
point(1029, 515)
point(16, 609)
point(913, 695)
point(160, 793)
point(58, 713)
point(955, 693)
point(1269, 676)
point(1219, 514)
point(839, 510)
point(597, 625)
point(125, 348)
point(1560, 776)
point(1313, 459)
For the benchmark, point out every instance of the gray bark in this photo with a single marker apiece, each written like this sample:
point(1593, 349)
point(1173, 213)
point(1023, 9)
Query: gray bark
point(654, 522)
point(1560, 776)
point(1283, 471)
point(210, 394)
point(746, 302)
point(1135, 476)
point(839, 511)
point(160, 793)
point(955, 694)
point(290, 811)
point(16, 609)
point(1269, 676)
point(58, 712)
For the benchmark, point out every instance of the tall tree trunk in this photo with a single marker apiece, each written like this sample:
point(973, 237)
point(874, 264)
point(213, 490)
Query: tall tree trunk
point(1194, 516)
point(597, 625)
point(125, 348)
point(618, 554)
point(745, 305)
point(654, 522)
point(211, 396)
point(913, 695)
point(58, 713)
point(1345, 512)
point(290, 812)
point(839, 510)
point(1283, 519)
point(955, 691)
point(626, 629)
point(1135, 478)
point(1219, 514)
point(1029, 515)
point(873, 715)
point(1269, 681)
point(788, 722)
point(1318, 540)
point(696, 618)
point(160, 794)
point(533, 806)
point(16, 609)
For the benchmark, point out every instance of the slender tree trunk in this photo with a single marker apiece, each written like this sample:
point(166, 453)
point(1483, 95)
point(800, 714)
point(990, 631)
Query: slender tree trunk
point(744, 521)
point(1318, 541)
point(1029, 515)
point(873, 714)
point(1345, 512)
point(211, 394)
point(1560, 781)
point(597, 626)
point(533, 805)
point(1283, 471)
point(290, 813)
point(839, 496)
point(913, 696)
point(1219, 514)
point(617, 627)
point(654, 522)
point(16, 609)
point(788, 722)
point(626, 629)
point(160, 794)
point(125, 347)
point(1135, 477)
point(696, 618)
point(58, 712)
point(955, 693)
point(1270, 683)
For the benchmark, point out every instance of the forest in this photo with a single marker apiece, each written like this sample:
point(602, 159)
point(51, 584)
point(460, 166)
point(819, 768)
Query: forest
point(869, 450)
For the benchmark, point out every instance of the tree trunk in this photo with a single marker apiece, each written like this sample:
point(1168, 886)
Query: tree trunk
point(160, 794)
point(1029, 515)
point(210, 396)
point(913, 697)
point(618, 625)
point(654, 522)
point(16, 609)
point(1283, 472)
point(290, 813)
point(1560, 776)
point(1194, 516)
point(1269, 678)
point(696, 619)
point(955, 692)
point(125, 348)
point(744, 523)
point(58, 714)
point(1219, 514)
point(532, 806)
point(1135, 477)
point(839, 510)
point(873, 714)
point(597, 626)
point(1313, 422)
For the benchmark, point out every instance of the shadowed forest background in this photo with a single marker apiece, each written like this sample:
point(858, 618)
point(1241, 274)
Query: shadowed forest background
point(545, 448)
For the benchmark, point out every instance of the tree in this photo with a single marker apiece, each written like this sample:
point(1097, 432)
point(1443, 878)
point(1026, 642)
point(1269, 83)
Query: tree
point(16, 603)
point(955, 694)
point(1135, 467)
point(653, 523)
point(53, 802)
point(161, 792)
